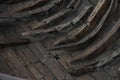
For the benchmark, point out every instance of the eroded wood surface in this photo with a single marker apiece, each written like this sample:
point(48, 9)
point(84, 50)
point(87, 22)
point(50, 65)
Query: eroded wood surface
point(60, 39)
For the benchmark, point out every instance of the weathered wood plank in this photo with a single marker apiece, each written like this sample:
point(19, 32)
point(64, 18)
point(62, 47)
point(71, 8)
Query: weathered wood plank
point(97, 44)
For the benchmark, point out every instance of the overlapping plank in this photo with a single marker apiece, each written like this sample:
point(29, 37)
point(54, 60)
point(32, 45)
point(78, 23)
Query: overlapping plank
point(60, 27)
point(94, 31)
point(97, 44)
point(79, 32)
point(20, 6)
point(52, 18)
point(38, 10)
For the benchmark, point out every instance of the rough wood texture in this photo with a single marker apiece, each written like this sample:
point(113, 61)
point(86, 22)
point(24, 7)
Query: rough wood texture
point(60, 39)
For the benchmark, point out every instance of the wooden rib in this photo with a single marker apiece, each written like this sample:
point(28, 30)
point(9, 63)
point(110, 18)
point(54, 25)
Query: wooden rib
point(52, 18)
point(94, 31)
point(20, 6)
point(91, 22)
point(13, 42)
point(34, 32)
point(83, 13)
point(43, 9)
point(71, 3)
point(46, 31)
point(96, 45)
point(74, 4)
point(60, 27)
point(109, 58)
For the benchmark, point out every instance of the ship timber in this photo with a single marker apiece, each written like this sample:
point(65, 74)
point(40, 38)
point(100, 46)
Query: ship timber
point(59, 40)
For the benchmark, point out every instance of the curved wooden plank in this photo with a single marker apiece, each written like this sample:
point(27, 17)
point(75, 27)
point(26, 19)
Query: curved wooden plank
point(20, 6)
point(39, 10)
point(94, 31)
point(60, 27)
point(44, 22)
point(97, 44)
point(81, 31)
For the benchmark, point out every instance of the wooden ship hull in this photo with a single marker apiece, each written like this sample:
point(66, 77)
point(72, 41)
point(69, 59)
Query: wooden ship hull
point(59, 40)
